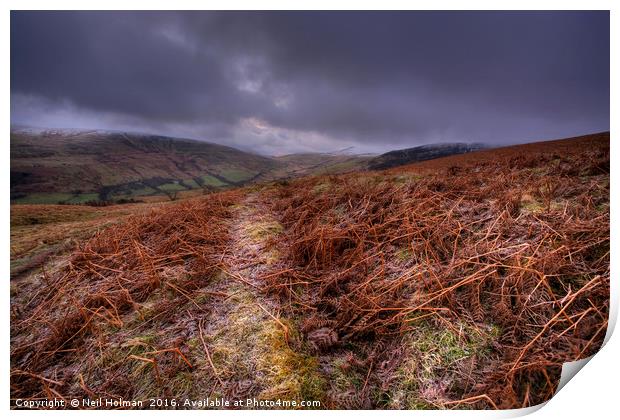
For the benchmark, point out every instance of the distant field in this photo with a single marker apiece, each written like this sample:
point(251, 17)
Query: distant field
point(212, 181)
point(43, 198)
point(56, 198)
point(190, 183)
point(171, 187)
point(237, 175)
point(139, 192)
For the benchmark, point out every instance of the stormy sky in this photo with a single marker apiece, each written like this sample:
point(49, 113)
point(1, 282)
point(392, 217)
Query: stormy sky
point(284, 82)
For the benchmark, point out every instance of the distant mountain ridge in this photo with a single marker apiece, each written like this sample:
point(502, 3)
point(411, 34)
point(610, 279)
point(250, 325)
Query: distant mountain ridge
point(421, 153)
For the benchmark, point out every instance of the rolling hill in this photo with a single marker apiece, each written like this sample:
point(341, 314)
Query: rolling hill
point(421, 153)
point(77, 166)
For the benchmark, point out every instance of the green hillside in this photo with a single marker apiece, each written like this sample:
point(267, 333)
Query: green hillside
point(78, 166)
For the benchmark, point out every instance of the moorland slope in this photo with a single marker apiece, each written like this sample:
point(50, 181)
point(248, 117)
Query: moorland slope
point(459, 282)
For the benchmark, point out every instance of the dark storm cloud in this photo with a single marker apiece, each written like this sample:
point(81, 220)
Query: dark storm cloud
point(287, 81)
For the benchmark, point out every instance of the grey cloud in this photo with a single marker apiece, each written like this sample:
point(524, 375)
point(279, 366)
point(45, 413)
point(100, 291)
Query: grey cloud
point(316, 80)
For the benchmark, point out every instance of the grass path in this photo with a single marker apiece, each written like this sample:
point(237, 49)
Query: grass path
point(248, 341)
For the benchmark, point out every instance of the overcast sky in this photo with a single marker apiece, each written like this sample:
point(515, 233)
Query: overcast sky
point(276, 83)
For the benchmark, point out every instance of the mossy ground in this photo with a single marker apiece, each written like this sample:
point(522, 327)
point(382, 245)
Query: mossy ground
point(432, 353)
